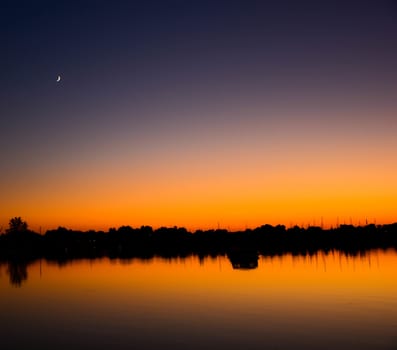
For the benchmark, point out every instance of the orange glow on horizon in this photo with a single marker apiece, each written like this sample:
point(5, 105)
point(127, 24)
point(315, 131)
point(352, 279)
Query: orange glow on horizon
point(226, 211)
point(233, 201)
point(233, 182)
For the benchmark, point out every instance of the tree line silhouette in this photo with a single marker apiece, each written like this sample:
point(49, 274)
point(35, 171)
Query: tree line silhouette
point(19, 242)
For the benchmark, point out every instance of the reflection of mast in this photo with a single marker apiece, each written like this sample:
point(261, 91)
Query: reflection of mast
point(340, 261)
point(40, 268)
point(324, 262)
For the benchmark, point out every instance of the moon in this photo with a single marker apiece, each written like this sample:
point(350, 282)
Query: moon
point(58, 79)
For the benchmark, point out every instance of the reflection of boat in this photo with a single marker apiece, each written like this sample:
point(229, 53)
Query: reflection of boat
point(243, 259)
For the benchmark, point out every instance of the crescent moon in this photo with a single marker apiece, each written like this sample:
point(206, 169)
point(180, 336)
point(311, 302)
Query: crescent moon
point(58, 79)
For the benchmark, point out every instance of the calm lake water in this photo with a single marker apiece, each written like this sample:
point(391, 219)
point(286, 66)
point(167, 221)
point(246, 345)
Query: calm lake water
point(327, 301)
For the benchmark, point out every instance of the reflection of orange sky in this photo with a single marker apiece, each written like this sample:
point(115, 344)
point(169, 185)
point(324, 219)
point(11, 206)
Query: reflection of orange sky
point(318, 298)
point(325, 271)
point(284, 281)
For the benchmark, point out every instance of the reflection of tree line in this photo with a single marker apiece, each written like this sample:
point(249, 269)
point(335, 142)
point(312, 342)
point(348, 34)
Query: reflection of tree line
point(17, 271)
point(242, 259)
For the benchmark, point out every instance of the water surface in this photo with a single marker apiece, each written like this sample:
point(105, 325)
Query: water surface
point(323, 301)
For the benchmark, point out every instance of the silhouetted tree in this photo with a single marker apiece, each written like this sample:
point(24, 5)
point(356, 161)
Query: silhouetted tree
point(16, 224)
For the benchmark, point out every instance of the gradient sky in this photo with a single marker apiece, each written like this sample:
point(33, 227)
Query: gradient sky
point(198, 114)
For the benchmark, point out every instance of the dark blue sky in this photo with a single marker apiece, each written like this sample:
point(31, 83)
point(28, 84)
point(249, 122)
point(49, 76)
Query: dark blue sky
point(113, 50)
point(116, 55)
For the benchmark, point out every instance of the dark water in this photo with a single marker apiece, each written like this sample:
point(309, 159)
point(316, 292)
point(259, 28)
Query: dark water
point(328, 301)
